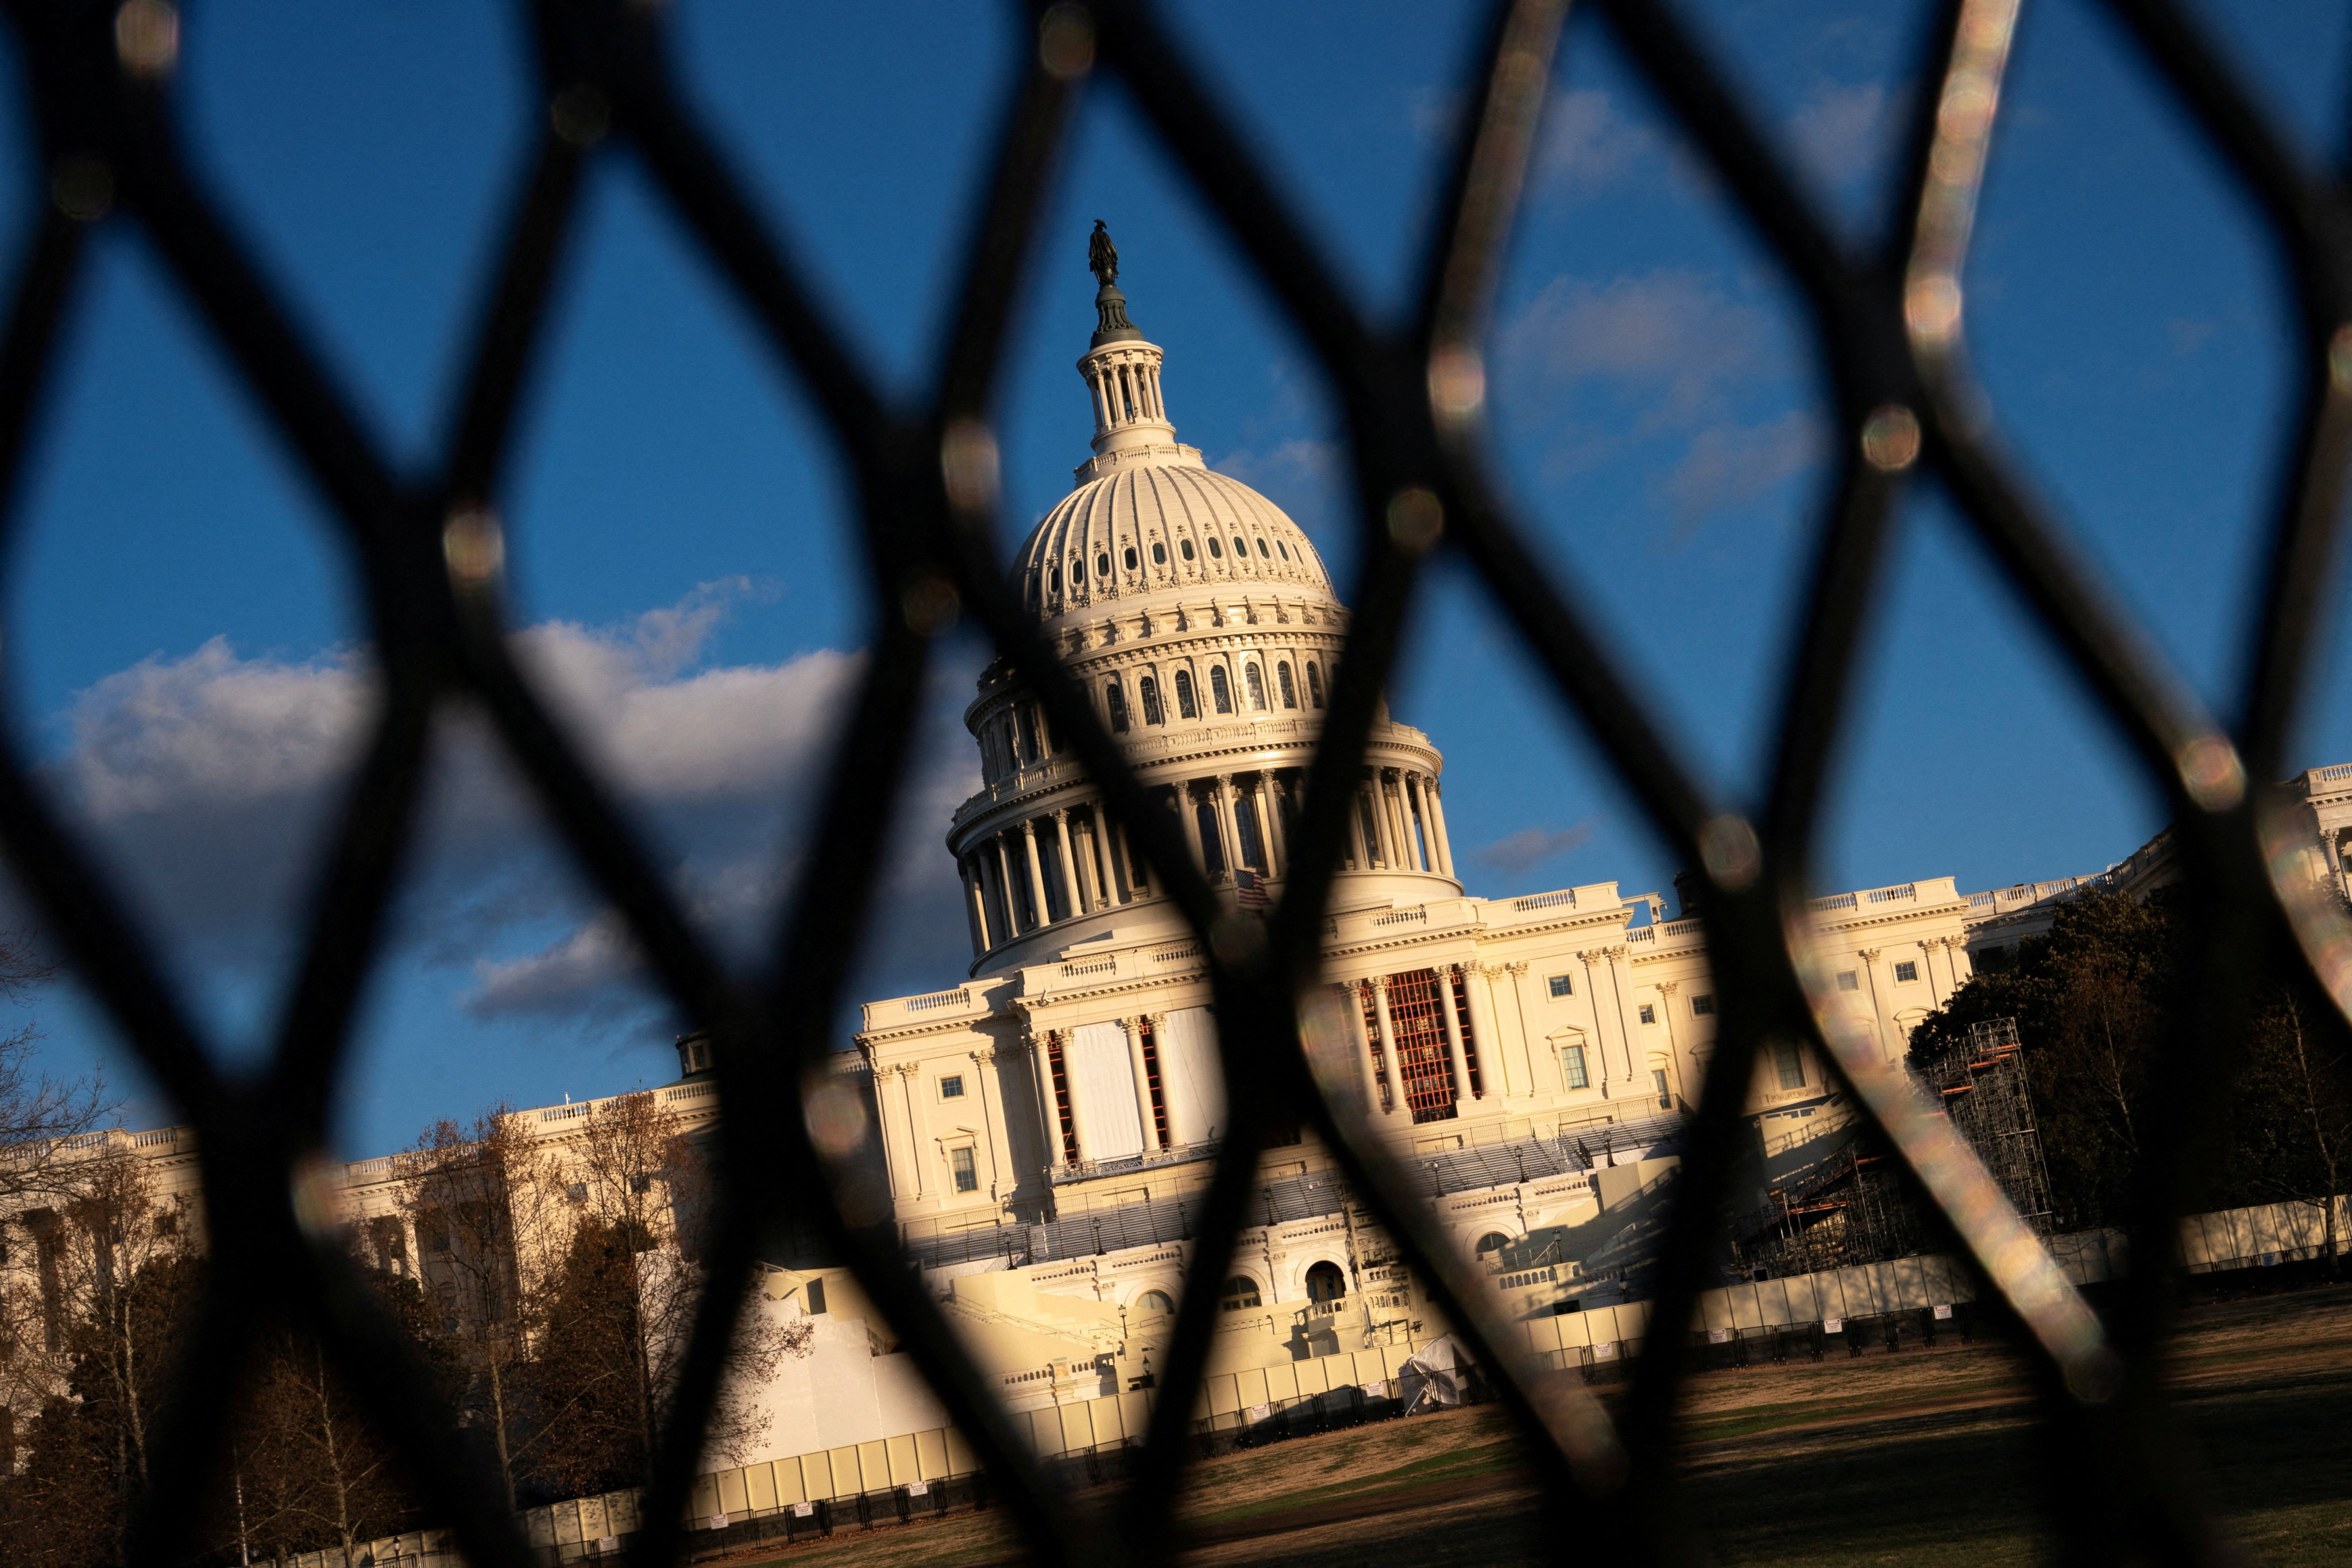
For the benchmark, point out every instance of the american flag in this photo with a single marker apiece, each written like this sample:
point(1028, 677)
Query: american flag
point(1249, 888)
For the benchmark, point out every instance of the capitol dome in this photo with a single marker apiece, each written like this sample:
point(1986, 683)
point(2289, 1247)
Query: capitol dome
point(1202, 625)
point(1159, 523)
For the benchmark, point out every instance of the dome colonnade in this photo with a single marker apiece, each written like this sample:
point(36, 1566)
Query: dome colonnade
point(1202, 625)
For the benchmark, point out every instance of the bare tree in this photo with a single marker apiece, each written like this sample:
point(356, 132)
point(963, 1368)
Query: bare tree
point(622, 1303)
point(477, 1198)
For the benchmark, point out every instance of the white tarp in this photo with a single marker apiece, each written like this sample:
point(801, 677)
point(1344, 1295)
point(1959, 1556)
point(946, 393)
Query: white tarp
point(1102, 1078)
point(1431, 1377)
point(1188, 1079)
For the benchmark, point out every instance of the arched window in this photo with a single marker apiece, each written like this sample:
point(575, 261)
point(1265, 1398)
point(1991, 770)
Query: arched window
point(1221, 690)
point(1186, 707)
point(1255, 682)
point(1216, 551)
point(1154, 1304)
point(1326, 1283)
point(1130, 557)
point(1028, 736)
point(1159, 554)
point(1493, 1241)
point(1184, 548)
point(1314, 684)
point(1148, 689)
point(1118, 701)
point(1102, 563)
point(1289, 687)
point(1263, 550)
point(1241, 1293)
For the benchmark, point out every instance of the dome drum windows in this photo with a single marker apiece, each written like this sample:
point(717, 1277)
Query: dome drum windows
point(1263, 551)
point(1102, 563)
point(1314, 684)
point(1216, 551)
point(1221, 689)
point(1117, 701)
point(1159, 554)
point(1130, 557)
point(1149, 691)
point(1184, 548)
point(1288, 687)
point(1186, 707)
point(1255, 682)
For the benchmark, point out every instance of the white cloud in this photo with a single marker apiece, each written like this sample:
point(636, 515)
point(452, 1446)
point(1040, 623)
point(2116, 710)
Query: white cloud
point(207, 781)
point(1728, 464)
point(1588, 147)
point(1672, 335)
point(1517, 854)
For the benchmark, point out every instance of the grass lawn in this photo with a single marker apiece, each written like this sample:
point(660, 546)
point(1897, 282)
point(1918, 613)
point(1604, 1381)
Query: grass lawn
point(1919, 1456)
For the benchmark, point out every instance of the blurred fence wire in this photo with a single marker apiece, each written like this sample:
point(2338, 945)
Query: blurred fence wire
point(425, 545)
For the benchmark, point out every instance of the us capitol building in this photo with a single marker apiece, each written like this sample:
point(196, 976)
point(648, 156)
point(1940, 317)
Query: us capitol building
point(1049, 1124)
point(1043, 1131)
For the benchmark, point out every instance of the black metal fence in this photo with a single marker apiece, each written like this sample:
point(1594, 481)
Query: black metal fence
point(426, 542)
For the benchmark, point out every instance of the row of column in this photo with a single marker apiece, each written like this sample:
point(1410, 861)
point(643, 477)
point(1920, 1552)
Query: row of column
point(1878, 972)
point(1268, 794)
point(1006, 888)
point(1075, 1141)
point(1125, 390)
point(1407, 822)
point(1378, 1059)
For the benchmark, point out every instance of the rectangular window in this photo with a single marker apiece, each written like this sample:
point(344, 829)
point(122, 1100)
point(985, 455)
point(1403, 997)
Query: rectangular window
point(1563, 985)
point(813, 1296)
point(1791, 1065)
point(1571, 1063)
point(951, 1086)
point(1906, 972)
point(1849, 981)
point(959, 1166)
point(1649, 1013)
point(1702, 1006)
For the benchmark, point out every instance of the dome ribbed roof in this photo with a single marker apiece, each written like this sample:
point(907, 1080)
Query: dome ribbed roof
point(1164, 525)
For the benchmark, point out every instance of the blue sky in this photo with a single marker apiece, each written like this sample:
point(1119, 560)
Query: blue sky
point(181, 640)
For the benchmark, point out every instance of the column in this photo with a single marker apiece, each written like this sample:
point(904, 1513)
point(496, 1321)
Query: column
point(1270, 821)
point(1049, 1117)
point(1416, 844)
point(1134, 1027)
point(1139, 882)
point(1389, 1052)
point(1620, 983)
point(1489, 1034)
point(1956, 949)
point(1070, 904)
point(1380, 822)
point(974, 915)
point(1356, 845)
point(1528, 1014)
point(918, 1125)
point(1437, 824)
point(893, 1164)
point(1225, 823)
point(983, 1069)
point(1869, 956)
point(1364, 1062)
point(1601, 991)
point(1452, 1033)
point(1190, 811)
point(1036, 872)
point(1667, 991)
point(1004, 886)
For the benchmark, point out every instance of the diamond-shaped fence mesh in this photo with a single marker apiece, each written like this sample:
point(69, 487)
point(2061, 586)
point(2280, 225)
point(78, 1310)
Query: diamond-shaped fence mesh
point(1886, 323)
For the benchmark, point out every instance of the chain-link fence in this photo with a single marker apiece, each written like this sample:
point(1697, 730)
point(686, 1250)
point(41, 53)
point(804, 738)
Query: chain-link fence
point(1886, 325)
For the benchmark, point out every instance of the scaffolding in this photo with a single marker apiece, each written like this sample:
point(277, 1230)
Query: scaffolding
point(1851, 1210)
point(1982, 1087)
